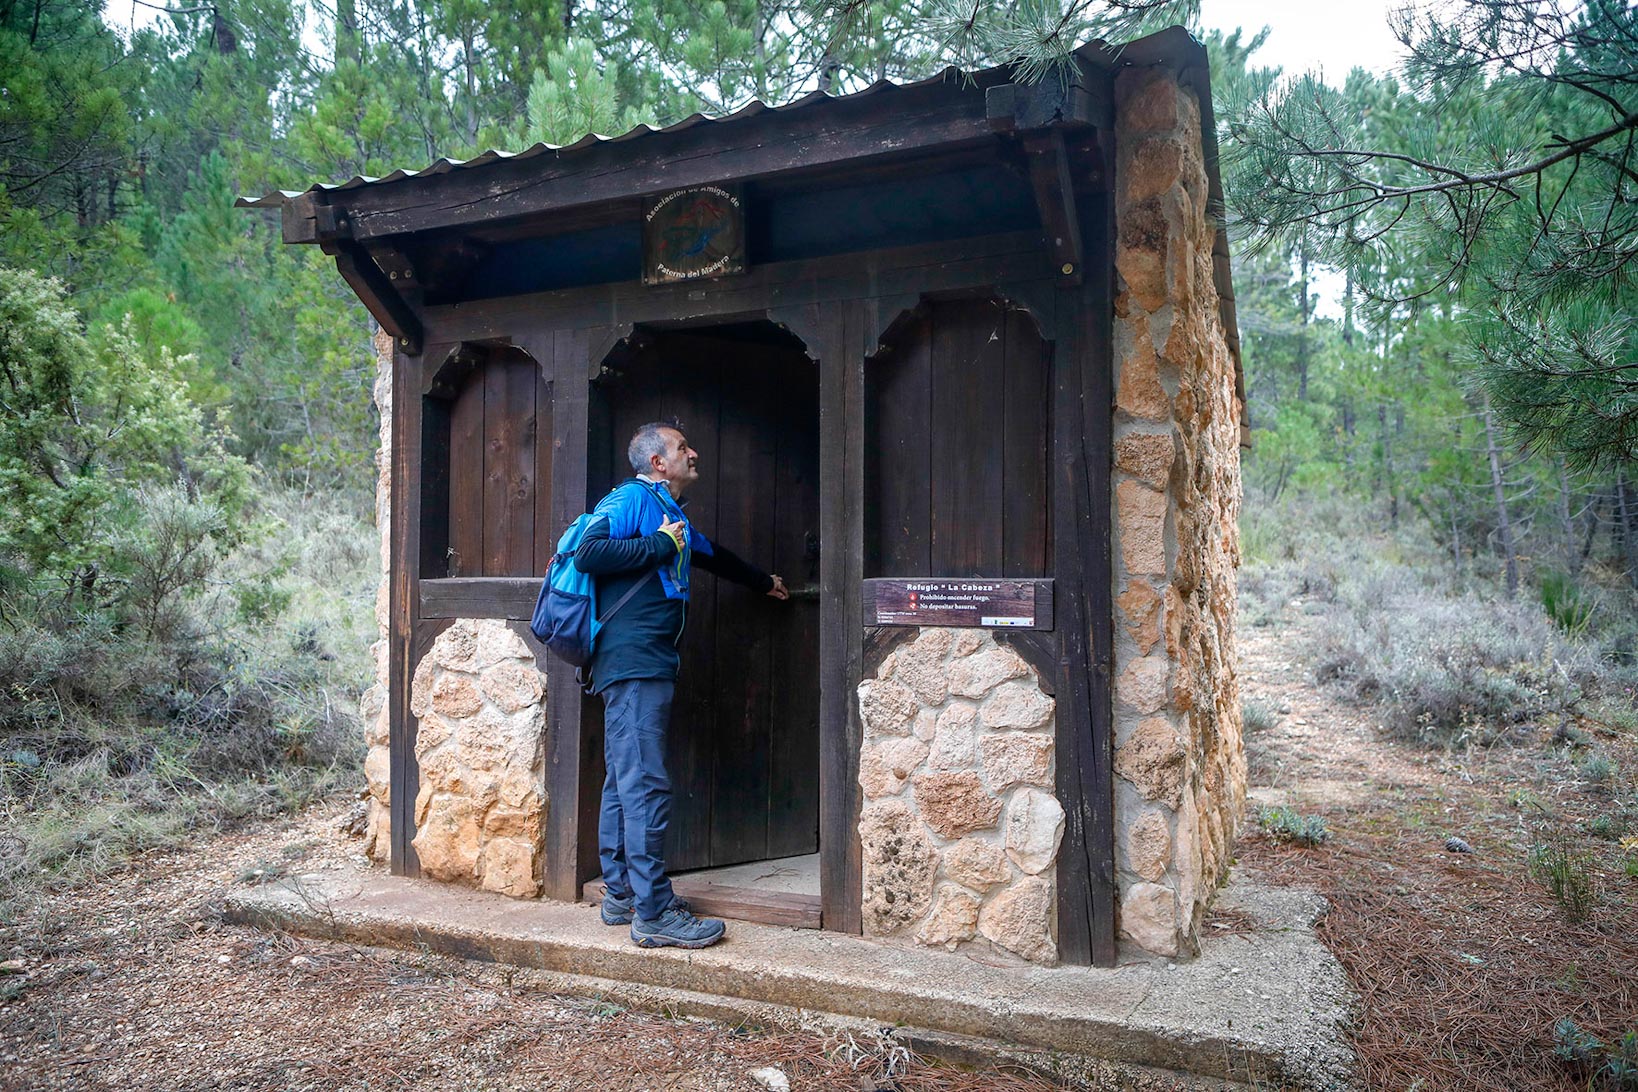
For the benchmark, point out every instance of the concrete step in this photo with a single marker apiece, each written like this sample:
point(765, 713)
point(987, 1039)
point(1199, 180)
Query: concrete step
point(1265, 1007)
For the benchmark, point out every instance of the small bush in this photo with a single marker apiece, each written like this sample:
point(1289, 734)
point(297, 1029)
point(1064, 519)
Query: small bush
point(1567, 874)
point(1570, 608)
point(1257, 715)
point(1610, 1066)
point(1287, 826)
point(1598, 769)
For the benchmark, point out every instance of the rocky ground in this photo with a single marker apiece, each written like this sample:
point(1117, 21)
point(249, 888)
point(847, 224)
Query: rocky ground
point(1464, 960)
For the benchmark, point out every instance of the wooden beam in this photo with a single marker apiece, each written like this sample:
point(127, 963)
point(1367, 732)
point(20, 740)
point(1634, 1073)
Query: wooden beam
point(511, 597)
point(567, 862)
point(910, 271)
point(1055, 199)
point(860, 130)
point(380, 295)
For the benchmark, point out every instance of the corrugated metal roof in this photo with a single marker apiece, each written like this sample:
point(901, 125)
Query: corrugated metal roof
point(443, 165)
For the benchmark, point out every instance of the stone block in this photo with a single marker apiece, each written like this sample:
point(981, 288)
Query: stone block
point(1035, 826)
point(1146, 456)
point(1148, 917)
point(513, 685)
point(1140, 512)
point(1149, 845)
point(1017, 919)
point(899, 865)
point(976, 864)
point(1146, 100)
point(934, 642)
point(952, 920)
point(504, 823)
point(497, 641)
point(1153, 761)
point(1016, 758)
point(926, 725)
point(1152, 167)
point(1139, 393)
point(521, 785)
point(1142, 686)
point(421, 686)
point(1017, 705)
point(1139, 607)
point(509, 867)
point(965, 642)
point(448, 839)
point(454, 696)
point(456, 647)
point(876, 776)
point(378, 772)
point(955, 803)
point(921, 667)
point(1142, 238)
point(954, 733)
point(431, 732)
point(976, 675)
point(886, 708)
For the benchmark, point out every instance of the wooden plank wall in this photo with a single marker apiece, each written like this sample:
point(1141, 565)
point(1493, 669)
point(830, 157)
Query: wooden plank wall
point(957, 440)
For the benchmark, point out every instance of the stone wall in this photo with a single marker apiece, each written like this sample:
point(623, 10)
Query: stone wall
point(373, 705)
point(478, 696)
point(1179, 761)
point(960, 829)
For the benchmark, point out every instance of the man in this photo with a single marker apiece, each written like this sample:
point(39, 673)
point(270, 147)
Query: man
point(639, 535)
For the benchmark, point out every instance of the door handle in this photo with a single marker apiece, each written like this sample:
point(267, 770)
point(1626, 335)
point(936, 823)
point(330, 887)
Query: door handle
point(805, 592)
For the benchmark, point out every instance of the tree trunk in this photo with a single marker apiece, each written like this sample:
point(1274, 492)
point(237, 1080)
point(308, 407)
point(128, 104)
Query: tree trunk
point(1572, 563)
point(1302, 331)
point(1504, 528)
point(348, 46)
point(1626, 516)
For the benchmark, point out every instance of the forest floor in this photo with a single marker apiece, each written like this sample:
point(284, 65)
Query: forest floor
point(1463, 960)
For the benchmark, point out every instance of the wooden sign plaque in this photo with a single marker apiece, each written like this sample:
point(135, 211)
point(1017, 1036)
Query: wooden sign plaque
point(976, 602)
point(693, 233)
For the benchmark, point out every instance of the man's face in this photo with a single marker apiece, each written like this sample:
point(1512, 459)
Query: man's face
point(679, 466)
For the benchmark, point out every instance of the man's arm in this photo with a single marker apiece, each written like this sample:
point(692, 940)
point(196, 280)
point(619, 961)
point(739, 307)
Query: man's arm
point(727, 565)
point(614, 542)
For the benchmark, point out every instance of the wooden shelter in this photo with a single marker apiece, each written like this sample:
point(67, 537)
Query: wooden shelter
point(889, 321)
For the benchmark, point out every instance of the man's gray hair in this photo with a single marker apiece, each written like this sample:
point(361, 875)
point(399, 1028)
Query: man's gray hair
point(647, 442)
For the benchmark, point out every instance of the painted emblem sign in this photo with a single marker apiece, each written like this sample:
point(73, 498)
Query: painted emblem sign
point(693, 233)
point(976, 601)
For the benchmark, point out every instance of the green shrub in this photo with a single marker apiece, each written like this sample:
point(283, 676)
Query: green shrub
point(1609, 1066)
point(1598, 769)
point(1567, 873)
point(1285, 825)
point(1570, 608)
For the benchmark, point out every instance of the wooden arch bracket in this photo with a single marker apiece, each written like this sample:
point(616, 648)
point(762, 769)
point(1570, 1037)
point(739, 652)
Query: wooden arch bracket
point(379, 292)
point(1055, 199)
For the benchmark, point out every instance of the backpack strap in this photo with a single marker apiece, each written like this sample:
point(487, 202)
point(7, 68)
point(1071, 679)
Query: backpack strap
point(624, 599)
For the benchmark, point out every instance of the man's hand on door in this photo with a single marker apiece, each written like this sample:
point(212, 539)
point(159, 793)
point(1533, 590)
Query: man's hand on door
point(779, 591)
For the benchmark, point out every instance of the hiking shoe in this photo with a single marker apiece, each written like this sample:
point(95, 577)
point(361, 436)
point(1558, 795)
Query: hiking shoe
point(676, 928)
point(619, 911)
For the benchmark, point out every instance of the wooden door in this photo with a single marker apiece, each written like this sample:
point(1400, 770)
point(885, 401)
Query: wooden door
point(743, 750)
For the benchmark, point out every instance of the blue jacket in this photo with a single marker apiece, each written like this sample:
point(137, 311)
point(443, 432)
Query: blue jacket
point(624, 545)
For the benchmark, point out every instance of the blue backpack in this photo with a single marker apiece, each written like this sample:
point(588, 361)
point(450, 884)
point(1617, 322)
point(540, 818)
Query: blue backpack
point(566, 620)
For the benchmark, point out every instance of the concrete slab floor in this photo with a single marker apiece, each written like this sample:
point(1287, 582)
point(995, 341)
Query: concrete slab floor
point(1265, 1008)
